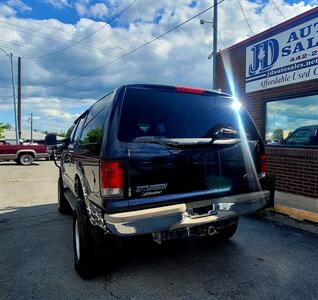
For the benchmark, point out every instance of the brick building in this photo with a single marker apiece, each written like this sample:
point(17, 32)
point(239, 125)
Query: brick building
point(275, 75)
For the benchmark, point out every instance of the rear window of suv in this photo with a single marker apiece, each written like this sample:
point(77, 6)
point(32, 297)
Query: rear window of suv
point(168, 114)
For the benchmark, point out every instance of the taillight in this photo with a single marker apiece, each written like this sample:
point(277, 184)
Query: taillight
point(263, 159)
point(185, 89)
point(111, 177)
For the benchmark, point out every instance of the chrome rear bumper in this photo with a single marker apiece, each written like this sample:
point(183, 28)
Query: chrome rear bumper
point(180, 216)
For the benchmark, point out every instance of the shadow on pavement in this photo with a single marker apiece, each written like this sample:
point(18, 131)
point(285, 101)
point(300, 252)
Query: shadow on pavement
point(262, 261)
point(42, 231)
point(17, 165)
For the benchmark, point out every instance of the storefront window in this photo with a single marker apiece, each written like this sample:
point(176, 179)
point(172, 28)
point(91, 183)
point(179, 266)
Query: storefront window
point(292, 122)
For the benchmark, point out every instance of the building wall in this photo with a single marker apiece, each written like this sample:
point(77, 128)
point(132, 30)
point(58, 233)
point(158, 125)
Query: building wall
point(296, 170)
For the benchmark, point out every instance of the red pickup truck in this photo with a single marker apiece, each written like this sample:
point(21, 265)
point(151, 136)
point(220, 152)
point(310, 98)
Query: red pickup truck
point(23, 154)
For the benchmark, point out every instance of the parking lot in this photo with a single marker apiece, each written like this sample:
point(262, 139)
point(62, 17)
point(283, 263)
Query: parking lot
point(264, 260)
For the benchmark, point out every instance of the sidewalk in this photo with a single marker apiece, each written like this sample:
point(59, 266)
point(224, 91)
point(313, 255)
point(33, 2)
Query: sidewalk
point(295, 211)
point(297, 207)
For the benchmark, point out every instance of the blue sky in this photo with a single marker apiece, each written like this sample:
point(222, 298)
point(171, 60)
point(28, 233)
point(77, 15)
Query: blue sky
point(35, 28)
point(66, 12)
point(42, 10)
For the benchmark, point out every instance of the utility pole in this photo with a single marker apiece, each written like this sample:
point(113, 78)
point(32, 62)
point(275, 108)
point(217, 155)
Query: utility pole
point(215, 41)
point(13, 93)
point(14, 101)
point(19, 98)
point(31, 128)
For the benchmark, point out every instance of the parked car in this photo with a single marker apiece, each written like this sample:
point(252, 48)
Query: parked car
point(305, 135)
point(168, 161)
point(273, 142)
point(22, 154)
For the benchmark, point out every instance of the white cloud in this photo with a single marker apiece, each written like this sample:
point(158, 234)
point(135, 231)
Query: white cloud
point(6, 11)
point(19, 5)
point(59, 4)
point(96, 11)
point(179, 58)
point(57, 114)
point(11, 7)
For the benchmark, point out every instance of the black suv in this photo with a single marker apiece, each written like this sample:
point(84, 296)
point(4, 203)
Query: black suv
point(168, 161)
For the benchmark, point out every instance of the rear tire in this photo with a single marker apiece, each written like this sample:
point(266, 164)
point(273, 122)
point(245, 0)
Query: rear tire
point(93, 250)
point(63, 205)
point(25, 159)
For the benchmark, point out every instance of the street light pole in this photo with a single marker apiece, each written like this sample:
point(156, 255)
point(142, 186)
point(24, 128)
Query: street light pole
point(215, 41)
point(13, 94)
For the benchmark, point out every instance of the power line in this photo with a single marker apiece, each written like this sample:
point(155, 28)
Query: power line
point(65, 31)
point(14, 50)
point(245, 17)
point(136, 49)
point(89, 35)
point(222, 41)
point(12, 45)
point(45, 36)
point(279, 10)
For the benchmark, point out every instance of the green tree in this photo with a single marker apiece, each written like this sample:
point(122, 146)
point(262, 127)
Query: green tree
point(1, 130)
point(69, 131)
point(93, 136)
point(7, 126)
point(3, 127)
point(278, 134)
point(62, 134)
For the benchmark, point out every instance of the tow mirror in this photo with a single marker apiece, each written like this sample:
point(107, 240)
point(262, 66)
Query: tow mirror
point(50, 139)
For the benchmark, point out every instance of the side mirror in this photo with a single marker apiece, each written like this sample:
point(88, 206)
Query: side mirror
point(50, 139)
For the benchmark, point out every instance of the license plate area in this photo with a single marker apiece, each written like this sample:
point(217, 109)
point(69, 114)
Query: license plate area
point(198, 212)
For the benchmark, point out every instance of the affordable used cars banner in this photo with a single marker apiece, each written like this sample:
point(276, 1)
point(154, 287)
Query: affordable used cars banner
point(288, 57)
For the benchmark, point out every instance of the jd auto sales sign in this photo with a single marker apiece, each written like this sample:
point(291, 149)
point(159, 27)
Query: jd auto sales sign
point(285, 58)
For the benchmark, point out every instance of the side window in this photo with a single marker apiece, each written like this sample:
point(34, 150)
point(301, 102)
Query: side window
point(91, 138)
point(71, 130)
point(77, 133)
point(99, 105)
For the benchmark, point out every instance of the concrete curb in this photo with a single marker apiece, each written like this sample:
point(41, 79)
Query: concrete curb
point(295, 213)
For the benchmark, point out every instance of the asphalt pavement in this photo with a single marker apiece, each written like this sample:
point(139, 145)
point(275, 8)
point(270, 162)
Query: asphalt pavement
point(264, 260)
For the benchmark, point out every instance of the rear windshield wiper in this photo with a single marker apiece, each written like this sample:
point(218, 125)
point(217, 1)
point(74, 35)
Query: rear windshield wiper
point(184, 142)
point(227, 141)
point(221, 130)
point(225, 135)
point(174, 142)
point(154, 140)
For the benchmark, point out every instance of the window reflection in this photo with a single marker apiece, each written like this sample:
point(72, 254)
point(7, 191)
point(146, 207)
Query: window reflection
point(292, 122)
